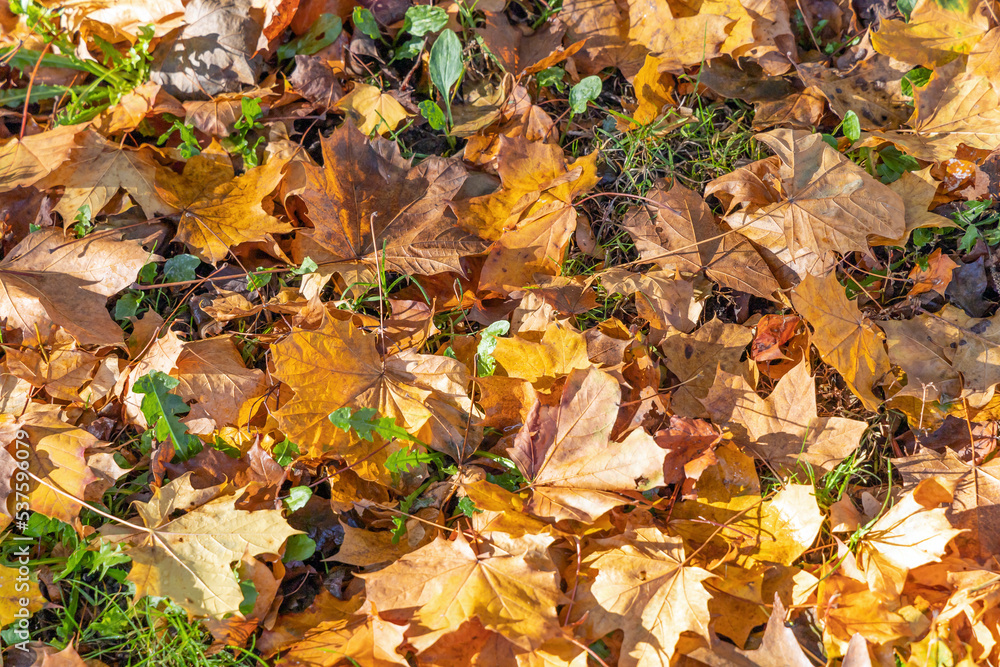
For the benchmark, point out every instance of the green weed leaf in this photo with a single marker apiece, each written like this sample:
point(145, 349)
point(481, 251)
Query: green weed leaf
point(162, 409)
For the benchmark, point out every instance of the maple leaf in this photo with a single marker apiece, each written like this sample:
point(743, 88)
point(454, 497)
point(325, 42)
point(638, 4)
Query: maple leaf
point(830, 203)
point(364, 640)
point(216, 214)
point(214, 380)
point(97, 169)
point(917, 188)
point(915, 531)
point(782, 428)
point(189, 559)
point(372, 110)
point(58, 458)
point(779, 647)
point(976, 489)
point(844, 337)
point(694, 358)
point(27, 160)
point(368, 206)
point(937, 349)
point(934, 34)
point(566, 453)
point(338, 366)
point(642, 586)
point(50, 279)
point(512, 591)
point(954, 109)
point(560, 351)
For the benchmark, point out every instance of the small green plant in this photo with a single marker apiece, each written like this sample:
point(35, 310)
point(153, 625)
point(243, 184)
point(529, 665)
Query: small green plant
point(446, 67)
point(366, 423)
point(485, 363)
point(83, 223)
point(583, 93)
point(238, 142)
point(162, 411)
point(114, 75)
point(180, 268)
point(188, 146)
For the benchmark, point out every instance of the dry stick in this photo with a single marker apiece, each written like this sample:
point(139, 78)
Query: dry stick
point(31, 84)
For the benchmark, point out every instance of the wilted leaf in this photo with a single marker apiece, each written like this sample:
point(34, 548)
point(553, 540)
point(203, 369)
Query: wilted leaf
point(642, 586)
point(50, 279)
point(368, 201)
point(339, 366)
point(217, 214)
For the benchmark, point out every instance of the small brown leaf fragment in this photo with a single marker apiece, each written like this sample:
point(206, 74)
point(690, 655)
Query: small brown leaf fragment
point(773, 331)
point(935, 278)
point(690, 445)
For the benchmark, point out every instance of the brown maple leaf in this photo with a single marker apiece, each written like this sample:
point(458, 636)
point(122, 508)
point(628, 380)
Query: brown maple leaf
point(641, 585)
point(368, 206)
point(566, 454)
point(54, 280)
point(339, 366)
point(830, 204)
point(217, 213)
point(512, 590)
point(783, 428)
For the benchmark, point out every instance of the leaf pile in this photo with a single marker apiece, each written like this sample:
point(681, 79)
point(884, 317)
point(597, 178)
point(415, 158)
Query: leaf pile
point(605, 333)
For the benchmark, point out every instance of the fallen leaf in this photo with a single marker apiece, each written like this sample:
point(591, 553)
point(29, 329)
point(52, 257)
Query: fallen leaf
point(514, 593)
point(215, 216)
point(216, 383)
point(368, 204)
point(338, 366)
point(214, 51)
point(977, 492)
point(52, 280)
point(935, 33)
point(830, 204)
point(371, 110)
point(97, 169)
point(642, 586)
point(189, 558)
point(695, 358)
point(912, 533)
point(783, 428)
point(844, 337)
point(560, 351)
point(566, 454)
